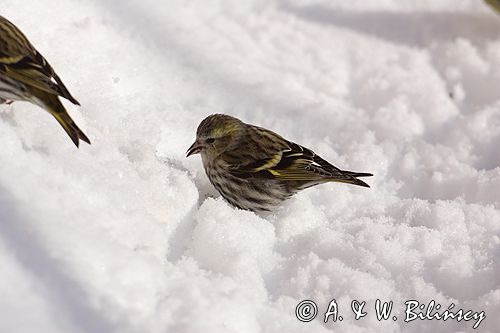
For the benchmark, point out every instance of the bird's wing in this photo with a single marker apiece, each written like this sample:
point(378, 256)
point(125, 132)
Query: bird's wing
point(278, 158)
point(302, 164)
point(265, 154)
point(21, 61)
point(260, 151)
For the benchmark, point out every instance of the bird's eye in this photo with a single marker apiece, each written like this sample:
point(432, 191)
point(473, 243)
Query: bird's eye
point(210, 140)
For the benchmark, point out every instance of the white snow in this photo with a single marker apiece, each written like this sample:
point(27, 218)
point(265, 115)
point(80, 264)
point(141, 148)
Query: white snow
point(128, 235)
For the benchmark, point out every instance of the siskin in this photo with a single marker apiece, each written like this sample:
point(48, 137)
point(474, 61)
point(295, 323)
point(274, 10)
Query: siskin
point(25, 75)
point(495, 4)
point(256, 169)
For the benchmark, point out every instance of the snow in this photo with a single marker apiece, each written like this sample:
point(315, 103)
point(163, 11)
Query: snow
point(128, 235)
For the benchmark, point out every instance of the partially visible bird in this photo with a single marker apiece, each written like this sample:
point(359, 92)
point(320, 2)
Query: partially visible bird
point(25, 75)
point(495, 4)
point(256, 169)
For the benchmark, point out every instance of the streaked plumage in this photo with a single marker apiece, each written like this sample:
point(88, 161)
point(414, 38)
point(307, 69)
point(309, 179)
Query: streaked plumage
point(256, 169)
point(25, 75)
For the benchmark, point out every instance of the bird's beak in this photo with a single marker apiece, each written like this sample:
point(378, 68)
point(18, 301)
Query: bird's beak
point(194, 149)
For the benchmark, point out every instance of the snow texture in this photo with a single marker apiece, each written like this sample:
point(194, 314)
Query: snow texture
point(128, 235)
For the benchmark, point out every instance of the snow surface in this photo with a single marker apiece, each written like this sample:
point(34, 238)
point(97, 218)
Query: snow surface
point(127, 235)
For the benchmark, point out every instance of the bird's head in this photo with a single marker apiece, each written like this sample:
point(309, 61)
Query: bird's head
point(216, 134)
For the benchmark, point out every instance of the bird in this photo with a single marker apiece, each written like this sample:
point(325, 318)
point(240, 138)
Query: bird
point(25, 75)
point(256, 169)
point(494, 4)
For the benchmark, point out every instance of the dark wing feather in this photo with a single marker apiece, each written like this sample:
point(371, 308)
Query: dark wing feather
point(21, 61)
point(300, 163)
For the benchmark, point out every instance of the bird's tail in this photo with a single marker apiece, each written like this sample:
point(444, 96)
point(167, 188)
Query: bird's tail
point(358, 174)
point(351, 178)
point(55, 107)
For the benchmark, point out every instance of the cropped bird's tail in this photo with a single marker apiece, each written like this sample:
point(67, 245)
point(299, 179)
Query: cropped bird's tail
point(351, 178)
point(56, 109)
